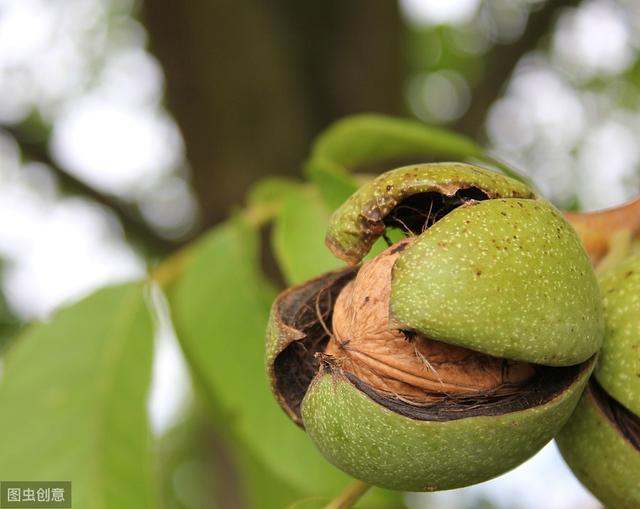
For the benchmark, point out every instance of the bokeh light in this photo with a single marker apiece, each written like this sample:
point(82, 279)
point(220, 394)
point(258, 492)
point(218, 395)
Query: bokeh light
point(77, 78)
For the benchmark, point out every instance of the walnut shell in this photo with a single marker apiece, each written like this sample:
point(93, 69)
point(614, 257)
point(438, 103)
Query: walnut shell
point(408, 366)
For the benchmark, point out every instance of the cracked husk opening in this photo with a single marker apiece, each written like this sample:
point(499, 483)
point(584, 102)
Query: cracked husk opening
point(402, 364)
point(338, 323)
point(625, 421)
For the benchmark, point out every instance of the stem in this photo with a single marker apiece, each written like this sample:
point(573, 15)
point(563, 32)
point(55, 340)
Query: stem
point(349, 496)
point(170, 270)
point(598, 229)
point(619, 248)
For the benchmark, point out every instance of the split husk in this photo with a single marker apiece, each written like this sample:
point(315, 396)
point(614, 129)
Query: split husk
point(455, 354)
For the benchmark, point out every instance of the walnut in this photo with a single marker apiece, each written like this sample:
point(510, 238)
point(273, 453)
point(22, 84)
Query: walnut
point(402, 363)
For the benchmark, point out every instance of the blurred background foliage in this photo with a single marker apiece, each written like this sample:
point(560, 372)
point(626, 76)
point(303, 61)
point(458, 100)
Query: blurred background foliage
point(129, 128)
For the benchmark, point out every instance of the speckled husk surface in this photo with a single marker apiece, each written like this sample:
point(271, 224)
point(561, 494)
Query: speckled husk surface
point(593, 443)
point(600, 456)
point(491, 267)
point(506, 277)
point(386, 449)
point(354, 227)
point(618, 370)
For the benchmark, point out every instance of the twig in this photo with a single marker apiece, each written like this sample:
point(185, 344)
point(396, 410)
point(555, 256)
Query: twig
point(349, 496)
point(35, 149)
point(619, 248)
point(167, 272)
point(597, 229)
point(501, 63)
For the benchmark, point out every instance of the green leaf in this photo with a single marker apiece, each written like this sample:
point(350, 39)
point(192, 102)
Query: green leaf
point(203, 469)
point(298, 237)
point(73, 401)
point(366, 139)
point(363, 140)
point(221, 307)
point(262, 488)
point(334, 183)
point(271, 191)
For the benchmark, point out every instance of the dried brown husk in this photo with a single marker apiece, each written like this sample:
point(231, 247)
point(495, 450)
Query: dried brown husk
point(402, 364)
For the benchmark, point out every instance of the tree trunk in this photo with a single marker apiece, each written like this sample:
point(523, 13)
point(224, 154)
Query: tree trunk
point(251, 83)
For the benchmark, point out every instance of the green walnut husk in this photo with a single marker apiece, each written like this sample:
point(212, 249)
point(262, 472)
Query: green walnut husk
point(489, 278)
point(601, 442)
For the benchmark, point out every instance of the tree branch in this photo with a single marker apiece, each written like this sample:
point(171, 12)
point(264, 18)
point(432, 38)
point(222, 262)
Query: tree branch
point(137, 231)
point(501, 64)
